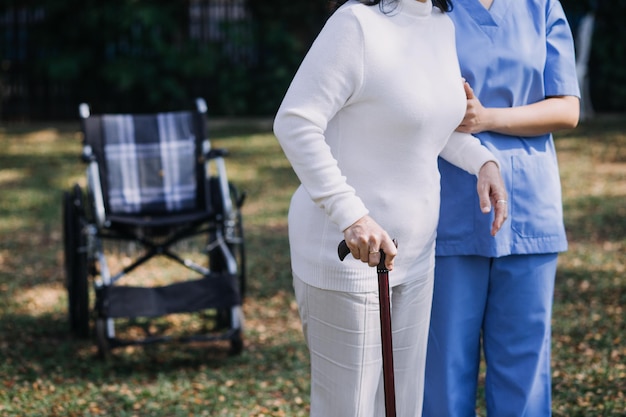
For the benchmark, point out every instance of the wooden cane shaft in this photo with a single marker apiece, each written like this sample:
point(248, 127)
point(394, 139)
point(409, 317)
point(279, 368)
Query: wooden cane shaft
point(387, 344)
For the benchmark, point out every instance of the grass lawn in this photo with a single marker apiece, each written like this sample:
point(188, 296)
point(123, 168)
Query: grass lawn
point(44, 371)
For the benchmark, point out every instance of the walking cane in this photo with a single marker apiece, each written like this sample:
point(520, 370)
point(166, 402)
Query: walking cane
point(385, 328)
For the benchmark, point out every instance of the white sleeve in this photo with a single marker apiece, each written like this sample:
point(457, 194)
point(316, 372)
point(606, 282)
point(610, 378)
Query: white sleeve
point(330, 74)
point(466, 152)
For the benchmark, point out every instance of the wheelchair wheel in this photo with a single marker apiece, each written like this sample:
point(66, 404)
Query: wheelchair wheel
point(76, 263)
point(236, 244)
point(236, 344)
point(224, 322)
point(102, 339)
point(232, 233)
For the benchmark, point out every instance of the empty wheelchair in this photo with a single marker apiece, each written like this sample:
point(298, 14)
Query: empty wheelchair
point(155, 188)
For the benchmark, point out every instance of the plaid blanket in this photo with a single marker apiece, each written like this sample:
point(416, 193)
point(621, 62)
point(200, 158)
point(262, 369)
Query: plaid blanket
point(150, 162)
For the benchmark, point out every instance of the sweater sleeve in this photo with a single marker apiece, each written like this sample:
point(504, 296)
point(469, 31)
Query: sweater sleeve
point(330, 76)
point(466, 152)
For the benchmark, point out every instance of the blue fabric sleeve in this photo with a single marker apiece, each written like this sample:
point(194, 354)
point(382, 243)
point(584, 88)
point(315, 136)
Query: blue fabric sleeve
point(560, 72)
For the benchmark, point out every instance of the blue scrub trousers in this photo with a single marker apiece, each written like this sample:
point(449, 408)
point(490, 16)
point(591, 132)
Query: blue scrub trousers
point(505, 304)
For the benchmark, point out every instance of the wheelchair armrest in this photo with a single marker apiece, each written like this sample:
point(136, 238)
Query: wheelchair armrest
point(87, 156)
point(215, 153)
point(94, 186)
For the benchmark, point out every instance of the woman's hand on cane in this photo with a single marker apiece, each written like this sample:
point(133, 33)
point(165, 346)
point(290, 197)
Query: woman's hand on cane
point(366, 238)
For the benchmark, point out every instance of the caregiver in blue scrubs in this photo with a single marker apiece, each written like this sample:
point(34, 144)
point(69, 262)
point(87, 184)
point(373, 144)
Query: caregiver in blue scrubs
point(495, 293)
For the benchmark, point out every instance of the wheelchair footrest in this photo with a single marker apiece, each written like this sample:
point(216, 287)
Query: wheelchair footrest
point(215, 290)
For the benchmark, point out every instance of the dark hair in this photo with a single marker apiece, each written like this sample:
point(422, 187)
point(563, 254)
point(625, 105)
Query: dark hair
point(443, 5)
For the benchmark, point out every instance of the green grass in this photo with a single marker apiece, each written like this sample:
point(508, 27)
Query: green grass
point(589, 343)
point(44, 371)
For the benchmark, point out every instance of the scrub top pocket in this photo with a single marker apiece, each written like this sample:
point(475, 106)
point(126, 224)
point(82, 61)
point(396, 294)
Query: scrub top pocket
point(535, 197)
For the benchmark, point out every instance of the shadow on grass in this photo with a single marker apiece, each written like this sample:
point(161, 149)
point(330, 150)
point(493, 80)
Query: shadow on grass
point(44, 367)
point(602, 138)
point(588, 353)
point(42, 347)
point(592, 218)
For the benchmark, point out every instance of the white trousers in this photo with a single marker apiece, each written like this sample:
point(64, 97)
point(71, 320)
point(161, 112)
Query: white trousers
point(342, 331)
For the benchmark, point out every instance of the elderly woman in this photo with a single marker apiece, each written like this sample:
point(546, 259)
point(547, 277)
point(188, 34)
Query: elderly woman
point(372, 106)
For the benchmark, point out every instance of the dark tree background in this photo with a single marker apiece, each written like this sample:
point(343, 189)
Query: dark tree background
point(144, 55)
point(240, 55)
point(607, 63)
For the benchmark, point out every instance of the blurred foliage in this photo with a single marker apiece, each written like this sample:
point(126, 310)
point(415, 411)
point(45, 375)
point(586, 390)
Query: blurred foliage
point(136, 50)
point(607, 64)
point(285, 31)
point(138, 55)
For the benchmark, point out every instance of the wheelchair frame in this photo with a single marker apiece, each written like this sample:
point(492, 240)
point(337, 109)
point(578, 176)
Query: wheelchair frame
point(220, 288)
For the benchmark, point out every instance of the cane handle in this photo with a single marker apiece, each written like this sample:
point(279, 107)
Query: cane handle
point(343, 250)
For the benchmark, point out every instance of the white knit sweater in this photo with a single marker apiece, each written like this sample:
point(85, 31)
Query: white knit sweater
point(372, 106)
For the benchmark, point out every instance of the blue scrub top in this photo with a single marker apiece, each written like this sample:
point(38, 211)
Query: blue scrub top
point(516, 53)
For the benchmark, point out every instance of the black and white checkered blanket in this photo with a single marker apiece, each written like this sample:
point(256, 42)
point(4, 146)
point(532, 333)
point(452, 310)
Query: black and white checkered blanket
point(150, 162)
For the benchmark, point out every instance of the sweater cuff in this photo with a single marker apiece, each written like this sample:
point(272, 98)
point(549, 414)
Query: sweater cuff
point(466, 152)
